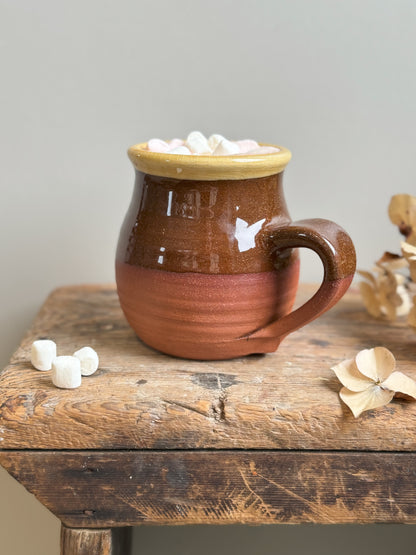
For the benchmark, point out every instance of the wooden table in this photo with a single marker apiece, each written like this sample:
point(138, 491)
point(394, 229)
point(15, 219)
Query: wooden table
point(153, 439)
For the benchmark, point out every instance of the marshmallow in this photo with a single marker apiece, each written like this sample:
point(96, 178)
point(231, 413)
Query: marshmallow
point(157, 145)
point(175, 143)
point(42, 354)
point(217, 145)
point(197, 143)
point(263, 150)
point(180, 150)
point(88, 359)
point(66, 372)
point(214, 141)
point(246, 145)
point(226, 147)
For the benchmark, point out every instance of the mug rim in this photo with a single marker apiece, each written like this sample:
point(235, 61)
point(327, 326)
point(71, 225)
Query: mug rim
point(208, 167)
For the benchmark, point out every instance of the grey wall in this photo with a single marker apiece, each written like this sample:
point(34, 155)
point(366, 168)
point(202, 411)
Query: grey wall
point(82, 80)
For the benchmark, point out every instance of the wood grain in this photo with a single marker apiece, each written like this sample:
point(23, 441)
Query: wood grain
point(115, 541)
point(100, 489)
point(141, 399)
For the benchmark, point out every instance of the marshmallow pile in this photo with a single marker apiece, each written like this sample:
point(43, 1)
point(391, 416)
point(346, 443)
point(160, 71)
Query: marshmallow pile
point(215, 145)
point(66, 370)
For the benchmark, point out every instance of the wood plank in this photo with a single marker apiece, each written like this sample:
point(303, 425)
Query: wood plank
point(105, 489)
point(142, 399)
point(116, 541)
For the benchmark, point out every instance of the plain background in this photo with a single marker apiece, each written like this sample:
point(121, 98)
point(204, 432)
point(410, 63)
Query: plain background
point(82, 80)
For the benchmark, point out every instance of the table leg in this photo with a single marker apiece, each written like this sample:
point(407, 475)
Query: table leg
point(106, 541)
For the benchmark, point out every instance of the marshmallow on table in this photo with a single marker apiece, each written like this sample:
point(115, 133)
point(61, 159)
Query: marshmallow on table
point(42, 354)
point(197, 143)
point(88, 359)
point(66, 372)
point(226, 147)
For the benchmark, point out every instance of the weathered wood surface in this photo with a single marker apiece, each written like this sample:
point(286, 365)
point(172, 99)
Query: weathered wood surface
point(116, 541)
point(100, 489)
point(141, 399)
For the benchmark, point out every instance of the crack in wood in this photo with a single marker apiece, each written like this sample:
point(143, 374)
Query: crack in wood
point(186, 407)
point(218, 408)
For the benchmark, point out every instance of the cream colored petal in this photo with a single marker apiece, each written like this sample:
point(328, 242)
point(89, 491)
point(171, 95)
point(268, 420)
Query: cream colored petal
point(409, 252)
point(389, 297)
point(402, 210)
point(349, 375)
point(361, 401)
point(387, 282)
point(394, 296)
point(400, 279)
point(377, 363)
point(388, 309)
point(367, 275)
point(400, 383)
point(392, 261)
point(406, 305)
point(370, 299)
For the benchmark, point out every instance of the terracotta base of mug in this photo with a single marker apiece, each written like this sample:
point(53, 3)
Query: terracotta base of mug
point(202, 316)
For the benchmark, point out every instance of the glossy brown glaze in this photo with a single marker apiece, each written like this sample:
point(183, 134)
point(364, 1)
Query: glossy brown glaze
point(209, 269)
point(337, 253)
point(210, 227)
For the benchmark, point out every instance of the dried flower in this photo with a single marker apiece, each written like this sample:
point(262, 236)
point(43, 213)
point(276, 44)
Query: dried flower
point(392, 261)
point(409, 253)
point(402, 212)
point(385, 294)
point(370, 380)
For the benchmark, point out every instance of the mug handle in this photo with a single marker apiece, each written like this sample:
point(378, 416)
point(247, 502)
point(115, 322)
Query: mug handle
point(336, 250)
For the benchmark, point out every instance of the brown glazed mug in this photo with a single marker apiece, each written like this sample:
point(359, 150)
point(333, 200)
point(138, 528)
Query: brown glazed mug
point(207, 264)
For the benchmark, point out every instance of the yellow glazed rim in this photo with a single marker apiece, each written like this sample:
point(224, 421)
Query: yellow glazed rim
point(209, 168)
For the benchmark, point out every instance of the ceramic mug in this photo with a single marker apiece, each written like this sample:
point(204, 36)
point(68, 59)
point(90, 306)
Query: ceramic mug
point(207, 264)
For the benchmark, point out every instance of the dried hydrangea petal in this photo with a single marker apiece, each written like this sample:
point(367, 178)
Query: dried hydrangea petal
point(350, 377)
point(409, 252)
point(394, 299)
point(368, 399)
point(391, 261)
point(394, 296)
point(377, 363)
point(406, 305)
point(370, 299)
point(367, 275)
point(372, 382)
point(385, 295)
point(402, 212)
point(400, 383)
point(387, 283)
